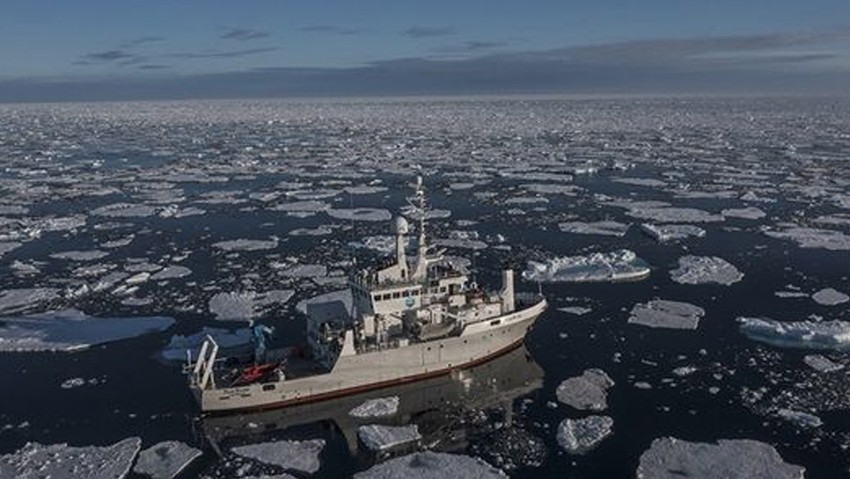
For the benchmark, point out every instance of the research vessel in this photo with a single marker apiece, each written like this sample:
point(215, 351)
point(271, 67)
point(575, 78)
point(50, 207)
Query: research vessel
point(409, 319)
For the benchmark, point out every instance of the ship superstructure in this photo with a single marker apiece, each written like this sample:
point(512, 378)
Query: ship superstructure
point(410, 318)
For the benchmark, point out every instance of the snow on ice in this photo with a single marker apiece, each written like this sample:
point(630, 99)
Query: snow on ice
point(13, 301)
point(665, 233)
point(605, 228)
point(377, 437)
point(586, 392)
point(578, 436)
point(298, 456)
point(432, 465)
point(671, 458)
point(61, 461)
point(661, 313)
point(749, 213)
point(828, 335)
point(246, 245)
point(360, 214)
point(165, 460)
point(830, 297)
point(613, 266)
point(704, 270)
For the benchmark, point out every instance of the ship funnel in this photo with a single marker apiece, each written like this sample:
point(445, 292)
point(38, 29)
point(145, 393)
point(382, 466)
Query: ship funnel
point(507, 291)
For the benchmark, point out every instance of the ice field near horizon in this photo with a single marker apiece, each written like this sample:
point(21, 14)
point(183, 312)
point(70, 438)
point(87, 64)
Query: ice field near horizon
point(695, 254)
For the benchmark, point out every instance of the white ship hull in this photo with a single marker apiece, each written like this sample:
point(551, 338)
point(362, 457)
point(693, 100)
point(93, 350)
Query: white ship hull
point(478, 343)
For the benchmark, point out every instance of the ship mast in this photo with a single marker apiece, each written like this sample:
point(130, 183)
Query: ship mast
point(420, 272)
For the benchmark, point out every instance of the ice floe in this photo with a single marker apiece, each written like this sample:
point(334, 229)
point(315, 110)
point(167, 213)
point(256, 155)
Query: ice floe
point(813, 238)
point(605, 228)
point(165, 460)
point(171, 272)
point(821, 363)
point(749, 213)
point(377, 437)
point(586, 392)
point(671, 458)
point(378, 407)
point(576, 310)
point(670, 214)
point(664, 233)
point(660, 313)
point(705, 270)
point(828, 335)
point(246, 245)
point(799, 418)
point(243, 306)
point(614, 266)
point(71, 330)
point(830, 297)
point(578, 436)
point(432, 465)
point(61, 461)
point(124, 210)
point(360, 214)
point(13, 301)
point(298, 456)
point(80, 255)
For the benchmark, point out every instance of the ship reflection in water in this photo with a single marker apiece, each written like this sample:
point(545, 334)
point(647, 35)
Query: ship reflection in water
point(442, 408)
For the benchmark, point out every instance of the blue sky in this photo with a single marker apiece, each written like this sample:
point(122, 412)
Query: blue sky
point(135, 49)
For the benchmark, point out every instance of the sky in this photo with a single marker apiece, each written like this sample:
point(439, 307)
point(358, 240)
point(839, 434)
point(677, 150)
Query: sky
point(62, 50)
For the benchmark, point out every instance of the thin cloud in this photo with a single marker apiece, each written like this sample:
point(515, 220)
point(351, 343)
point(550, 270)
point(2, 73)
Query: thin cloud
point(153, 67)
point(108, 56)
point(428, 32)
point(140, 41)
point(243, 34)
point(225, 54)
point(335, 29)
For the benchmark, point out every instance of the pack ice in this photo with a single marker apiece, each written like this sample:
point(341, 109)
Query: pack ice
point(586, 392)
point(432, 465)
point(705, 270)
point(299, 456)
point(614, 266)
point(61, 461)
point(830, 335)
point(165, 460)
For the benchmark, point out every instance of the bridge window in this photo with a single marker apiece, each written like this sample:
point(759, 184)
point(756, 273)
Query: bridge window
point(386, 297)
point(268, 387)
point(496, 322)
point(406, 294)
point(415, 292)
point(396, 295)
point(377, 297)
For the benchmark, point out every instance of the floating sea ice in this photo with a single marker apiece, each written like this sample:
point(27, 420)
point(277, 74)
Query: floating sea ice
point(380, 438)
point(7, 246)
point(813, 238)
point(605, 228)
point(302, 207)
point(321, 230)
point(799, 418)
point(165, 460)
point(790, 294)
point(705, 269)
point(830, 335)
point(578, 436)
point(124, 210)
point(613, 266)
point(298, 456)
point(172, 272)
point(13, 301)
point(72, 330)
point(432, 465)
point(243, 306)
point(577, 310)
point(80, 255)
point(549, 189)
point(179, 344)
point(364, 190)
point(305, 271)
point(823, 364)
point(246, 245)
point(671, 458)
point(750, 213)
point(664, 233)
point(378, 407)
point(360, 214)
point(830, 297)
point(383, 244)
point(650, 182)
point(61, 461)
point(661, 313)
point(72, 383)
point(586, 392)
point(674, 215)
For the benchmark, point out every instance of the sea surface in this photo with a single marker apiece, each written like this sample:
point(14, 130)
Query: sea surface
point(501, 177)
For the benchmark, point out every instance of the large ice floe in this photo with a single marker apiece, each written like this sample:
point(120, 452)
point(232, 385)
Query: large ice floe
point(578, 436)
point(813, 238)
point(660, 313)
point(298, 456)
point(246, 245)
point(378, 407)
point(605, 228)
point(377, 437)
point(749, 213)
point(705, 270)
point(665, 233)
point(165, 460)
point(586, 392)
point(360, 214)
point(830, 297)
point(671, 458)
point(432, 465)
point(13, 301)
point(61, 461)
point(827, 335)
point(243, 306)
point(669, 214)
point(618, 265)
point(71, 330)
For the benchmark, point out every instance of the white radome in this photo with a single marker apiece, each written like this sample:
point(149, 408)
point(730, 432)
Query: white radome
point(401, 225)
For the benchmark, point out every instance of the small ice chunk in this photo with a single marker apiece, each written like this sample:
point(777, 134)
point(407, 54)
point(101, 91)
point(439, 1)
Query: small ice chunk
point(705, 269)
point(72, 330)
point(172, 272)
point(830, 297)
point(577, 310)
point(360, 214)
point(749, 213)
point(13, 301)
point(586, 392)
point(72, 383)
point(246, 245)
point(671, 458)
point(7, 246)
point(305, 271)
point(432, 465)
point(80, 255)
point(821, 363)
point(378, 407)
point(671, 214)
point(298, 456)
point(801, 419)
point(664, 233)
point(380, 438)
point(661, 313)
point(124, 210)
point(649, 182)
point(165, 460)
point(830, 335)
point(605, 228)
point(61, 461)
point(578, 436)
point(614, 266)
